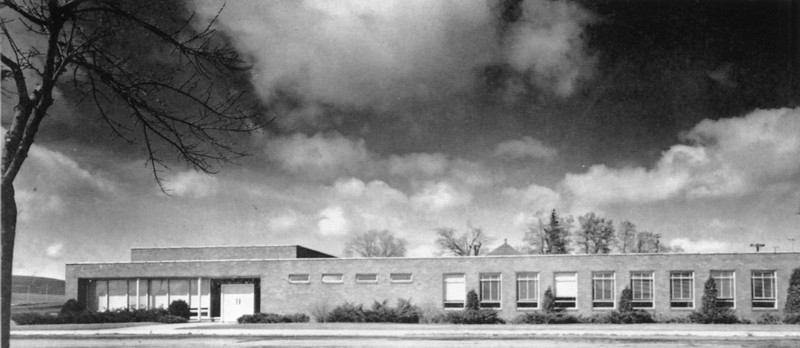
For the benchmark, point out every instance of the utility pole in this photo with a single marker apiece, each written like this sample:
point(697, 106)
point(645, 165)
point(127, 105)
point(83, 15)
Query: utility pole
point(757, 246)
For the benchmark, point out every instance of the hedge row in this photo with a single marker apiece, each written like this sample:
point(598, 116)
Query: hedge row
point(72, 312)
point(272, 318)
point(380, 312)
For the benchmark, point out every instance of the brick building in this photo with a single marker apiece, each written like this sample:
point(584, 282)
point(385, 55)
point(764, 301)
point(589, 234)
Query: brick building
point(226, 282)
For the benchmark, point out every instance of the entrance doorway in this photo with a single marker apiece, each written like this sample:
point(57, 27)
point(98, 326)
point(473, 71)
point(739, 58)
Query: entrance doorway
point(237, 300)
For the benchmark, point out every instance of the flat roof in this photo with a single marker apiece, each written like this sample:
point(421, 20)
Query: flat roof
point(441, 257)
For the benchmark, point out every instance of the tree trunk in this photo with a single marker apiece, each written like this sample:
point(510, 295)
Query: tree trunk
point(9, 229)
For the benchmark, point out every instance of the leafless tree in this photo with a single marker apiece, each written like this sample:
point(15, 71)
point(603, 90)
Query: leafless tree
point(597, 234)
point(625, 237)
point(144, 67)
point(535, 236)
point(375, 243)
point(467, 244)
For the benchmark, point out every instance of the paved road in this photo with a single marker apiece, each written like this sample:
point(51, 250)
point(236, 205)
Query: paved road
point(202, 342)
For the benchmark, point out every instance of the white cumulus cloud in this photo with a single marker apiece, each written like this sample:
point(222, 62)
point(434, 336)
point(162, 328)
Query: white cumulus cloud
point(727, 157)
point(319, 155)
point(55, 250)
point(191, 184)
point(332, 222)
point(439, 196)
point(700, 245)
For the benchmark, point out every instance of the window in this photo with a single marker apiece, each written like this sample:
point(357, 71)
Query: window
point(159, 293)
point(299, 278)
point(333, 278)
point(725, 288)
point(681, 289)
point(400, 277)
point(527, 290)
point(366, 278)
point(117, 294)
point(566, 285)
point(642, 289)
point(455, 291)
point(764, 292)
point(490, 290)
point(603, 290)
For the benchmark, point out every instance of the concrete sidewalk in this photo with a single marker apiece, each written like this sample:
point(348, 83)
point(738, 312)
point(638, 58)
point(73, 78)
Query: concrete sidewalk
point(430, 331)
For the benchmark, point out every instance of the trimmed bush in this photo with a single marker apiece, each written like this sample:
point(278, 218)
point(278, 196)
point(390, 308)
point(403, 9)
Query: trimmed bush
point(471, 317)
point(380, 312)
point(272, 318)
point(793, 294)
point(793, 318)
point(172, 319)
point(546, 318)
point(549, 301)
point(73, 313)
point(179, 308)
point(615, 317)
point(768, 319)
point(72, 306)
point(347, 313)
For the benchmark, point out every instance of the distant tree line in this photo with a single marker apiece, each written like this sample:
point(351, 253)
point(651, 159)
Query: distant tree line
point(593, 234)
point(590, 234)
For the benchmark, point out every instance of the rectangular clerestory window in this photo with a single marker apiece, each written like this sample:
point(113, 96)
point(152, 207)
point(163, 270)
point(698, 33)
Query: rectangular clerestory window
point(366, 278)
point(333, 278)
point(400, 278)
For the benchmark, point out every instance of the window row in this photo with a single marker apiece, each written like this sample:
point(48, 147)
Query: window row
point(111, 294)
point(642, 285)
point(362, 278)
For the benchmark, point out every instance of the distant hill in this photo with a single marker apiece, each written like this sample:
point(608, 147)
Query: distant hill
point(37, 285)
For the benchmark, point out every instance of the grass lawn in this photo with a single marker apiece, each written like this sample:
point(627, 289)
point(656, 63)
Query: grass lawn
point(508, 327)
point(15, 327)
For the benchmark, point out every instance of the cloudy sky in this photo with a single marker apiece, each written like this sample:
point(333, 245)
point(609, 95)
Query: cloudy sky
point(679, 116)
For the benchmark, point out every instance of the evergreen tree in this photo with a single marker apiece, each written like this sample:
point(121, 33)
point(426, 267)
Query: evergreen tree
point(793, 294)
point(626, 300)
point(472, 301)
point(549, 301)
point(709, 306)
point(556, 235)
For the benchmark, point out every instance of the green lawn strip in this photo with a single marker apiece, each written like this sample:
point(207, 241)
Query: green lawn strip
point(489, 328)
point(77, 327)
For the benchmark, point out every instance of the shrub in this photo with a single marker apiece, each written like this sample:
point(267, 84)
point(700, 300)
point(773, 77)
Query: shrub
point(347, 313)
point(179, 308)
point(35, 319)
point(793, 318)
point(546, 318)
point(432, 314)
point(472, 301)
point(471, 316)
point(549, 301)
point(72, 306)
point(793, 294)
point(380, 313)
point(768, 319)
point(272, 318)
point(172, 319)
point(405, 312)
point(626, 300)
point(615, 317)
point(320, 310)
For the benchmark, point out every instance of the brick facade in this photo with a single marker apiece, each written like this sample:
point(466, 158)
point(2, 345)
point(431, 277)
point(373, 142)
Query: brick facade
point(278, 295)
